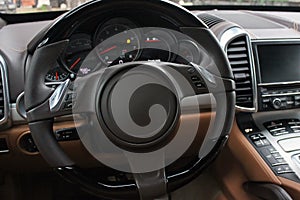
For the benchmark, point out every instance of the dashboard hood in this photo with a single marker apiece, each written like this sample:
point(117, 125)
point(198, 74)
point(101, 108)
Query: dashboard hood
point(260, 25)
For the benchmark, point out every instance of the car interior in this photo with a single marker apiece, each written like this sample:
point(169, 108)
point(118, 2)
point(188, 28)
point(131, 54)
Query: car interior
point(150, 99)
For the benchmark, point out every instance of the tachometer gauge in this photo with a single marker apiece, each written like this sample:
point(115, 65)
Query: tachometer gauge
point(158, 45)
point(117, 44)
point(56, 74)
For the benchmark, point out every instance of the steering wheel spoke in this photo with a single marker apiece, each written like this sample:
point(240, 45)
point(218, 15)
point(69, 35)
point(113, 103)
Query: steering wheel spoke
point(152, 185)
point(59, 104)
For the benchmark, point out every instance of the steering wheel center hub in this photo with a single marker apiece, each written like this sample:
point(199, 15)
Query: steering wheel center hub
point(139, 107)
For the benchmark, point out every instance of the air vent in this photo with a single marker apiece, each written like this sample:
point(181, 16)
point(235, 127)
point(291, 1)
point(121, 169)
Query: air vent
point(3, 93)
point(2, 99)
point(238, 56)
point(210, 20)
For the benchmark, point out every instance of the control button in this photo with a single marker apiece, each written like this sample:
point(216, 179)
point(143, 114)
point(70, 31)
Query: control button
point(297, 97)
point(265, 142)
point(254, 137)
point(276, 155)
point(261, 143)
point(191, 70)
point(66, 134)
point(277, 103)
point(195, 78)
point(277, 129)
point(271, 149)
point(282, 169)
point(271, 160)
point(199, 85)
point(258, 143)
point(266, 153)
point(265, 106)
point(261, 136)
point(68, 105)
point(280, 161)
point(70, 96)
point(266, 100)
point(277, 133)
point(283, 98)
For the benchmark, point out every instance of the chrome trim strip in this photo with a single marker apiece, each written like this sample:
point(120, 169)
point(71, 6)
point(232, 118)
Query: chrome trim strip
point(279, 83)
point(3, 68)
point(271, 41)
point(4, 151)
point(283, 94)
point(15, 115)
point(225, 39)
point(53, 83)
point(18, 106)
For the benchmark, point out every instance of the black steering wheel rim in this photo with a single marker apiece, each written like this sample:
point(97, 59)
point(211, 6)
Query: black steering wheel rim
point(54, 40)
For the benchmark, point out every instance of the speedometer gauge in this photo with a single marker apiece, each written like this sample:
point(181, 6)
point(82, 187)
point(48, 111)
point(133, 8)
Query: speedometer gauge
point(117, 44)
point(78, 48)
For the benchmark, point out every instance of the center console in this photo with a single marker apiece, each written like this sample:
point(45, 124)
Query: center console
point(278, 74)
point(274, 131)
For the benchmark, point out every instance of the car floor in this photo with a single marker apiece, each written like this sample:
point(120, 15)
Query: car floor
point(49, 186)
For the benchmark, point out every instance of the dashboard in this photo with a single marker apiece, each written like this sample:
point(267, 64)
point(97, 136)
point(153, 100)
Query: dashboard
point(117, 41)
point(262, 49)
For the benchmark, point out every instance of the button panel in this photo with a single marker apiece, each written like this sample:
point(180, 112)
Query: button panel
point(67, 134)
point(269, 153)
point(278, 98)
point(196, 80)
point(282, 127)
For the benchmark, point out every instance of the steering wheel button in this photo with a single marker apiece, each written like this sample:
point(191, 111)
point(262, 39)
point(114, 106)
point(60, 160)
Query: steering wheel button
point(68, 105)
point(191, 70)
point(70, 96)
point(199, 85)
point(195, 78)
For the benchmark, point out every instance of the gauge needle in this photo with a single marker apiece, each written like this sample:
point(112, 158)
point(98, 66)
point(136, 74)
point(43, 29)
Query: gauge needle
point(75, 63)
point(56, 76)
point(107, 50)
point(152, 41)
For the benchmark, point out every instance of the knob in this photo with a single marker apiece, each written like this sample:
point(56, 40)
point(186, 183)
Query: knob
point(276, 103)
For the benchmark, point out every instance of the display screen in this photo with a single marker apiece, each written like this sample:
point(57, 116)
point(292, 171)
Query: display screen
point(279, 63)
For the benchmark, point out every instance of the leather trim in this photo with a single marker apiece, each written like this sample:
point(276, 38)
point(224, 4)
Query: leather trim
point(254, 166)
point(291, 187)
point(231, 176)
point(17, 161)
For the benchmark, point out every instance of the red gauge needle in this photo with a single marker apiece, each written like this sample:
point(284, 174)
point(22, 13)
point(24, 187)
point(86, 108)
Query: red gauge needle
point(108, 50)
point(152, 41)
point(56, 76)
point(75, 63)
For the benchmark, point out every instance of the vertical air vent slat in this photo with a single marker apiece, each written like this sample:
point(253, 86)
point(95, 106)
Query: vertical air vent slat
point(2, 103)
point(210, 20)
point(238, 56)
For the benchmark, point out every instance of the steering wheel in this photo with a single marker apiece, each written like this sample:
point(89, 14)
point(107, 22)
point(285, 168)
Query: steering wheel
point(140, 110)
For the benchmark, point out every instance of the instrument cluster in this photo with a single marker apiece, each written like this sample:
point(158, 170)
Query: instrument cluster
point(118, 41)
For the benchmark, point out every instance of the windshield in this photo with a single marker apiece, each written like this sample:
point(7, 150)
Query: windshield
point(29, 6)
